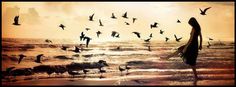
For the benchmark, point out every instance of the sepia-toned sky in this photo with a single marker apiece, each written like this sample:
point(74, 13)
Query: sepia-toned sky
point(41, 19)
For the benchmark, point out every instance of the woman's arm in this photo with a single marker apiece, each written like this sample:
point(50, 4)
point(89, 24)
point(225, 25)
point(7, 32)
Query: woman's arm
point(200, 47)
point(189, 41)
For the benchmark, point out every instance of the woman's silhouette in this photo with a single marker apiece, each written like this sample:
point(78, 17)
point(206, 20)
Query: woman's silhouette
point(189, 51)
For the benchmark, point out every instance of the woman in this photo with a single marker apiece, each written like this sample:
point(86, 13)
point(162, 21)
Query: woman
point(189, 51)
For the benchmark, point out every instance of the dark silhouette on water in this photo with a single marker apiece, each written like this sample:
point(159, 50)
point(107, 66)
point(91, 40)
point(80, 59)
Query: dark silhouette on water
point(113, 16)
point(87, 40)
point(100, 22)
point(38, 58)
point(137, 33)
point(177, 39)
point(16, 20)
point(126, 23)
point(204, 12)
point(77, 50)
point(21, 57)
point(82, 35)
point(121, 70)
point(134, 19)
point(154, 25)
point(125, 15)
point(91, 17)
point(189, 51)
point(127, 68)
point(178, 21)
point(161, 31)
point(64, 47)
point(48, 41)
point(167, 39)
point(149, 48)
point(98, 33)
point(62, 26)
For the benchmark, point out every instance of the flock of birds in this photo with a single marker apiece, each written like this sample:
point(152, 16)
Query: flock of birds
point(114, 34)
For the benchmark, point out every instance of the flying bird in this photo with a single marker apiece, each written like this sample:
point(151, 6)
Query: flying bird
point(91, 17)
point(98, 33)
point(177, 39)
point(147, 40)
point(161, 31)
point(126, 23)
point(137, 33)
point(48, 41)
point(82, 35)
point(118, 36)
point(16, 20)
point(100, 22)
point(178, 21)
point(210, 38)
point(87, 29)
point(21, 57)
point(167, 39)
point(204, 12)
point(134, 19)
point(125, 15)
point(154, 25)
point(87, 40)
point(62, 26)
point(114, 33)
point(113, 16)
point(38, 58)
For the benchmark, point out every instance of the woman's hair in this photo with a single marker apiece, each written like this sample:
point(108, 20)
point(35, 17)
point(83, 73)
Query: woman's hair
point(193, 22)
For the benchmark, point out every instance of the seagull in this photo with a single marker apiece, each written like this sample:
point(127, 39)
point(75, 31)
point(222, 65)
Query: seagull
point(101, 71)
point(126, 23)
point(167, 39)
point(210, 38)
point(38, 58)
point(16, 20)
point(134, 19)
point(118, 36)
point(161, 31)
point(125, 15)
point(91, 17)
point(113, 16)
point(137, 33)
point(87, 29)
point(121, 69)
point(208, 46)
point(147, 40)
point(178, 21)
point(177, 39)
point(154, 25)
point(62, 26)
point(64, 47)
point(204, 12)
point(21, 57)
point(114, 33)
point(150, 35)
point(98, 33)
point(48, 41)
point(82, 35)
point(87, 40)
point(100, 22)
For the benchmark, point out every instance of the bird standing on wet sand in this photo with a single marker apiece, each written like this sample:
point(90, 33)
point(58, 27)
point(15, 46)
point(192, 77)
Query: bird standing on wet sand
point(149, 48)
point(204, 12)
point(127, 68)
point(38, 58)
point(113, 16)
point(91, 17)
point(121, 70)
point(154, 25)
point(137, 33)
point(77, 50)
point(177, 39)
point(101, 71)
point(62, 26)
point(98, 33)
point(87, 40)
point(16, 20)
point(21, 57)
point(125, 15)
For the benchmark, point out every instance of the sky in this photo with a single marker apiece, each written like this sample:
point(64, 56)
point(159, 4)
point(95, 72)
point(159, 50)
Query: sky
point(42, 19)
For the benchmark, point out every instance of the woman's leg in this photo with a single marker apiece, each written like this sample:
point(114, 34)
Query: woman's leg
point(194, 72)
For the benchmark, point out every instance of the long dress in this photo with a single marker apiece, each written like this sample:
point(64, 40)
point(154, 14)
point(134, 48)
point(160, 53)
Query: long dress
point(191, 53)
